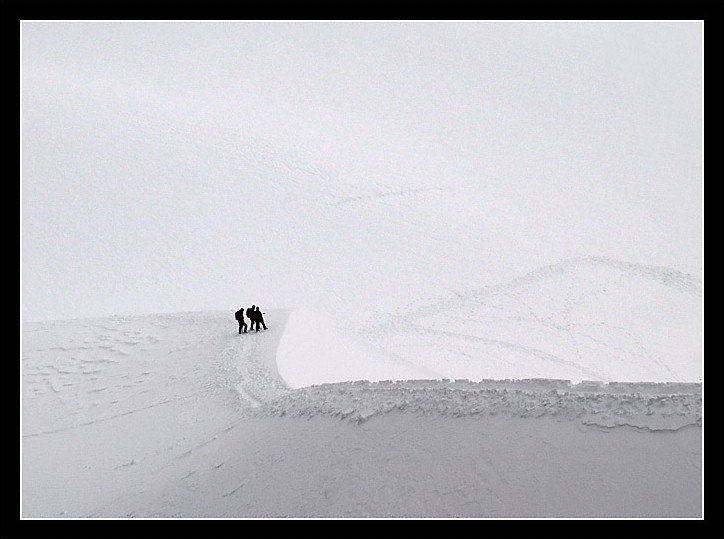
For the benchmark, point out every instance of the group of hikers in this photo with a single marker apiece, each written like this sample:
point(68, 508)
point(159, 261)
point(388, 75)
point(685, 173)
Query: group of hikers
point(255, 316)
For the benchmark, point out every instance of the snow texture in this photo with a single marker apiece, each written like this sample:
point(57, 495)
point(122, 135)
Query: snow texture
point(179, 416)
point(478, 245)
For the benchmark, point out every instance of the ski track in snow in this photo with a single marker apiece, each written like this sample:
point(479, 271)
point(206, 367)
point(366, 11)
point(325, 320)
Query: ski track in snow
point(516, 289)
point(510, 316)
point(380, 195)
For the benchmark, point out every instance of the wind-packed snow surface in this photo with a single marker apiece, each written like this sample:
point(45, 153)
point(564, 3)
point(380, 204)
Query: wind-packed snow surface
point(572, 391)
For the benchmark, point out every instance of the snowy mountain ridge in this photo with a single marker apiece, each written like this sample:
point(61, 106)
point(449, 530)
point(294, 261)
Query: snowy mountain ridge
point(654, 407)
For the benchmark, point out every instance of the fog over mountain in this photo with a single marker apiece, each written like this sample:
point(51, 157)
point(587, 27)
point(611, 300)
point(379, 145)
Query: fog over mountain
point(351, 167)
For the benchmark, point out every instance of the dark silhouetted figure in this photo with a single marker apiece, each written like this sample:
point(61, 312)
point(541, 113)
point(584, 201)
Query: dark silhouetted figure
point(259, 319)
point(252, 319)
point(239, 315)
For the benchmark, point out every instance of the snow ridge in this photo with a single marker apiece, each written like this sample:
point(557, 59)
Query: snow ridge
point(664, 406)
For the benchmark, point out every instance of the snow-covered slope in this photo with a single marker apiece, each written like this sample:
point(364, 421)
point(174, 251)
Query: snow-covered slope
point(109, 404)
point(579, 319)
point(177, 415)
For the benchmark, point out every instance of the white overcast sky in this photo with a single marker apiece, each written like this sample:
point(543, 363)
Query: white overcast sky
point(133, 134)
